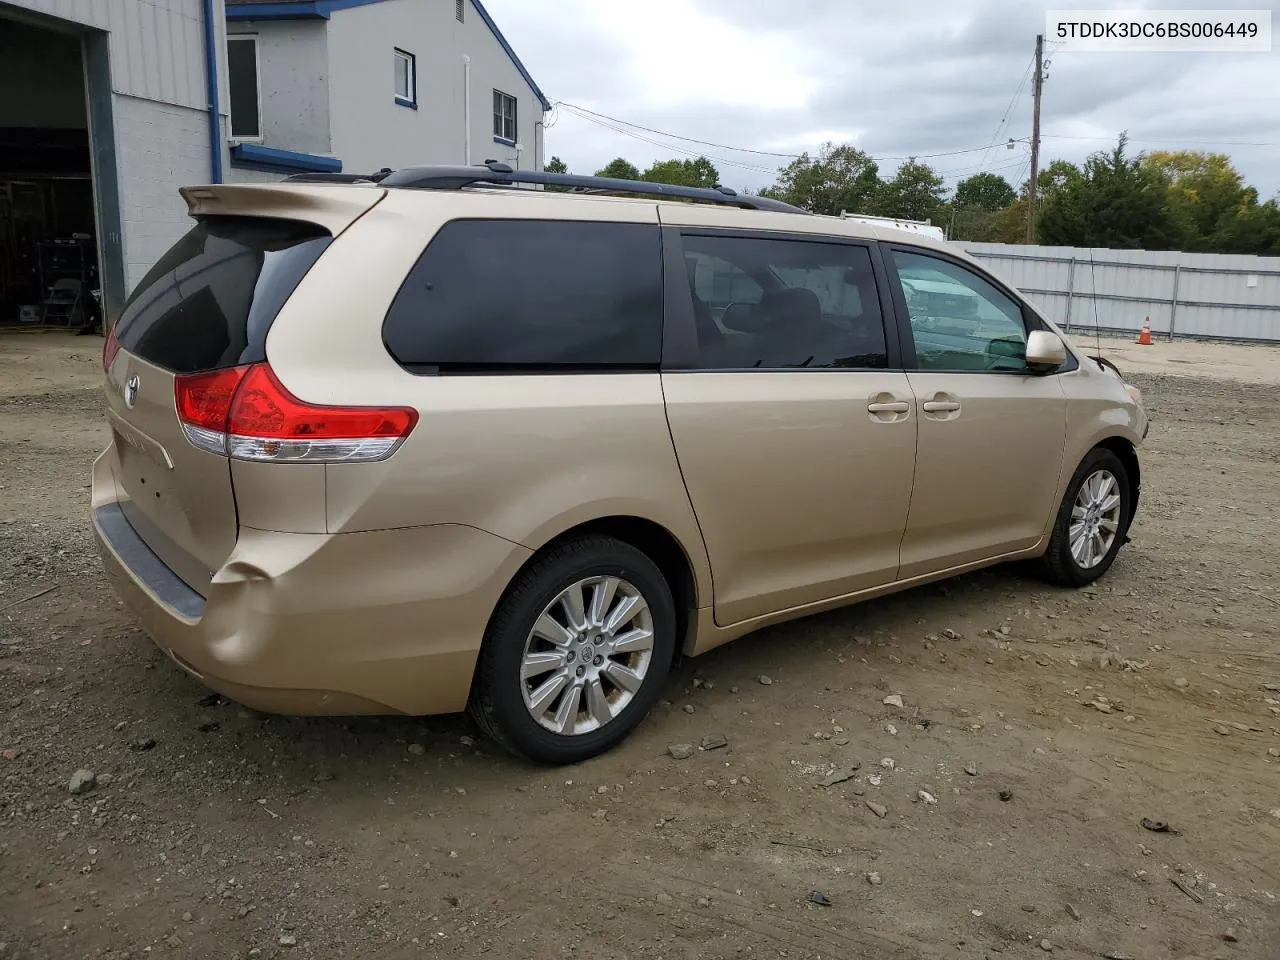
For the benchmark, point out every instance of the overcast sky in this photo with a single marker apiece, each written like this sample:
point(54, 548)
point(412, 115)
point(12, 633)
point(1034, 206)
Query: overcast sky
point(913, 77)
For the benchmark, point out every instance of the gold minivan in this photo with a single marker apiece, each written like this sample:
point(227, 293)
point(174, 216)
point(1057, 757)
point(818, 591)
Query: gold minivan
point(440, 439)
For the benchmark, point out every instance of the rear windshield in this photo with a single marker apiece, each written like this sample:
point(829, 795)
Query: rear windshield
point(211, 299)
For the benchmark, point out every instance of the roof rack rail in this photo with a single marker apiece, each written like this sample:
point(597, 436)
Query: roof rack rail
point(496, 173)
point(338, 177)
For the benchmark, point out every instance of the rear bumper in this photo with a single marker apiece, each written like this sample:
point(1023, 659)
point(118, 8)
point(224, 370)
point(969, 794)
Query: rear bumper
point(381, 622)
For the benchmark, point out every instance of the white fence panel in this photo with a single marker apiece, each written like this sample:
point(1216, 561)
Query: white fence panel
point(1196, 295)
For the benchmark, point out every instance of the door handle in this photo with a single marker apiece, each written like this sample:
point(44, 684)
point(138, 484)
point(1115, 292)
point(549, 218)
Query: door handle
point(941, 406)
point(893, 406)
point(884, 407)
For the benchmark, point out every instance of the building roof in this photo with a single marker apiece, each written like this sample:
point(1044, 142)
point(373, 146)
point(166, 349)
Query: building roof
point(502, 42)
point(322, 9)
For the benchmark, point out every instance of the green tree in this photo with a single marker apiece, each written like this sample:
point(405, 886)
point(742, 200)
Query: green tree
point(1009, 224)
point(556, 165)
point(1250, 228)
point(839, 178)
point(978, 209)
point(1052, 180)
point(619, 169)
point(915, 193)
point(1116, 202)
point(686, 173)
point(984, 191)
point(1204, 196)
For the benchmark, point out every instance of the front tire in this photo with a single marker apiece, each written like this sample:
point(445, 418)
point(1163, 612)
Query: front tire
point(1092, 523)
point(576, 652)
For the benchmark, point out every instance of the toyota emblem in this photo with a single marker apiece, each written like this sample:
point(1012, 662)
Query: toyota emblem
point(131, 390)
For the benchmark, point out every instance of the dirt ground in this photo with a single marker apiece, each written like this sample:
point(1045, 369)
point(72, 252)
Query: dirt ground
point(1043, 732)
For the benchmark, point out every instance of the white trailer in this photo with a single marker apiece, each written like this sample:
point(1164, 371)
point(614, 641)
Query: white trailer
point(913, 226)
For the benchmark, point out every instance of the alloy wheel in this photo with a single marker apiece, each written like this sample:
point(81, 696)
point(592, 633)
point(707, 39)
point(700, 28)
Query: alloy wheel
point(1095, 519)
point(587, 655)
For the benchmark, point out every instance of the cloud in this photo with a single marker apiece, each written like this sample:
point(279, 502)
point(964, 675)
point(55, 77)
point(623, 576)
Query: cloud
point(912, 78)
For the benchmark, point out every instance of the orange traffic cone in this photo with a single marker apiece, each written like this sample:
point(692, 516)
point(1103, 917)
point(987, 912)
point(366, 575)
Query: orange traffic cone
point(1144, 337)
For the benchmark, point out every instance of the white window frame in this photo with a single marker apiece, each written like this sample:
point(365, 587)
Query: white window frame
point(500, 118)
point(257, 85)
point(411, 61)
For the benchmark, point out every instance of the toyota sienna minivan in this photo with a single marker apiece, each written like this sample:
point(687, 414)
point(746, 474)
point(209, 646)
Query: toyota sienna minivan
point(440, 439)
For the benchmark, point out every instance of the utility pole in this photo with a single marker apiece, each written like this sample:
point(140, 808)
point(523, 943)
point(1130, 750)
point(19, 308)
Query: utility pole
point(1035, 139)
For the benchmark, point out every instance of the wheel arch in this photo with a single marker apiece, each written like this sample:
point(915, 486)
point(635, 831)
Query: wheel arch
point(1124, 448)
point(658, 543)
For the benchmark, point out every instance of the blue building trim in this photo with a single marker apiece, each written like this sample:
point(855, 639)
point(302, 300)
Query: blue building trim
point(291, 9)
point(271, 158)
point(211, 87)
point(285, 10)
point(493, 27)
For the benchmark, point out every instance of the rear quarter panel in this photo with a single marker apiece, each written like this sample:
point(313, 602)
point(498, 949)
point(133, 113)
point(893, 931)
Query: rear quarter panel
point(524, 457)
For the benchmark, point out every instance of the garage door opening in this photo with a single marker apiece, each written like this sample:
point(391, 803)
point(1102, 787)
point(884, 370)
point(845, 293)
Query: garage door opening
point(51, 213)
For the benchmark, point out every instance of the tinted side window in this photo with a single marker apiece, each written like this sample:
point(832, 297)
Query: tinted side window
point(492, 295)
point(718, 283)
point(772, 303)
point(210, 300)
point(959, 321)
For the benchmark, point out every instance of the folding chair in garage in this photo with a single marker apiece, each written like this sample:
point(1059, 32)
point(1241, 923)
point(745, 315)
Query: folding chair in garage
point(63, 302)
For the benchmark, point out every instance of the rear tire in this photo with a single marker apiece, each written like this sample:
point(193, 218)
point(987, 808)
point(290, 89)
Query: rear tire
point(575, 619)
point(1083, 545)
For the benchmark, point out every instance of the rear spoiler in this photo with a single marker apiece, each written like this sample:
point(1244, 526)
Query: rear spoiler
point(335, 210)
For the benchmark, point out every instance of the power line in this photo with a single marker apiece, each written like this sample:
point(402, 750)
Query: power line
point(676, 136)
point(957, 172)
point(627, 128)
point(620, 129)
point(1026, 168)
point(667, 146)
point(624, 131)
point(1008, 111)
point(604, 119)
point(1211, 143)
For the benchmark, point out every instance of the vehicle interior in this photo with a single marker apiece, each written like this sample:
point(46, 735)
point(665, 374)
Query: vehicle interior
point(746, 309)
point(949, 317)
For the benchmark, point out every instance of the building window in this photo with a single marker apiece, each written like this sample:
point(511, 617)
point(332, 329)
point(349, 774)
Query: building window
point(406, 79)
point(504, 117)
point(458, 11)
point(246, 100)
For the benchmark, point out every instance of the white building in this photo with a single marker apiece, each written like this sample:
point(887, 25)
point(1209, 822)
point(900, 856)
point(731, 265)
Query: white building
point(358, 85)
point(107, 107)
point(105, 110)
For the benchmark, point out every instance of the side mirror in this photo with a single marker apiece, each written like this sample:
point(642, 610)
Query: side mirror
point(1045, 351)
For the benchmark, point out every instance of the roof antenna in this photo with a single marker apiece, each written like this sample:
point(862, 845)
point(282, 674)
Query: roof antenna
point(1097, 324)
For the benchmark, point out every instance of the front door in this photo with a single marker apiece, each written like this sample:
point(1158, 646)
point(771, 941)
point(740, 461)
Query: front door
point(796, 439)
point(991, 431)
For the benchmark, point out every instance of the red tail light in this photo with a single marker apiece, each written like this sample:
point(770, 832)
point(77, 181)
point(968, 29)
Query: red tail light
point(246, 413)
point(110, 348)
point(204, 399)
